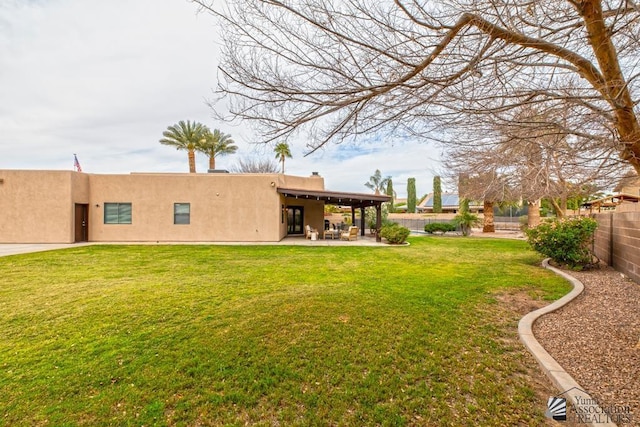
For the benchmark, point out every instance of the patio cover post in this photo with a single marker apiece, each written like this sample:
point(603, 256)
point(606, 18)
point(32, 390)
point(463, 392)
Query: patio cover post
point(353, 215)
point(378, 221)
point(362, 221)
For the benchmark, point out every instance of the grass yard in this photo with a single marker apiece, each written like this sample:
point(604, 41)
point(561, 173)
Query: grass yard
point(266, 335)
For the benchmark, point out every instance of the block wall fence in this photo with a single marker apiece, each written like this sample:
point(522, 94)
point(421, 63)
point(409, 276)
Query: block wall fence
point(617, 241)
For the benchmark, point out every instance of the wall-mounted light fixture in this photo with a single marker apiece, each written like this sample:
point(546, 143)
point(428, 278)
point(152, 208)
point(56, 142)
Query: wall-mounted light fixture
point(1, 180)
point(97, 205)
point(273, 184)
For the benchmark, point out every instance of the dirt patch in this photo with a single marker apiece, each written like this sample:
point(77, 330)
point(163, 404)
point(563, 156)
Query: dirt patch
point(522, 302)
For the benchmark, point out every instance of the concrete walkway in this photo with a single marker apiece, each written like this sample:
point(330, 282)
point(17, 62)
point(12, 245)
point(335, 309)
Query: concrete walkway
point(25, 248)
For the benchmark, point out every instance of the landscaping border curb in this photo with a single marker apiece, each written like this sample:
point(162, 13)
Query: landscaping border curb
point(567, 386)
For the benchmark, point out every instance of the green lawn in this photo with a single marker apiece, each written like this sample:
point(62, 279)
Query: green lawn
point(228, 335)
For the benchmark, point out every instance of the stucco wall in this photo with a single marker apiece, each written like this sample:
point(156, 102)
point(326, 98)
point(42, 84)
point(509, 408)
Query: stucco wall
point(224, 207)
point(80, 190)
point(37, 206)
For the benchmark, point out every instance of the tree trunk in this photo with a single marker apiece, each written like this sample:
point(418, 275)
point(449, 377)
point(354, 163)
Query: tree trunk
point(615, 90)
point(192, 161)
point(533, 218)
point(212, 162)
point(560, 208)
point(489, 224)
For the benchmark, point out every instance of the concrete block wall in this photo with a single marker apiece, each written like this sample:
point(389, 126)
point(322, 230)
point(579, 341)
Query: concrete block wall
point(617, 241)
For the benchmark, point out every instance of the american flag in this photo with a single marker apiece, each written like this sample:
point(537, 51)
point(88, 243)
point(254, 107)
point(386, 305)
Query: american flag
point(76, 164)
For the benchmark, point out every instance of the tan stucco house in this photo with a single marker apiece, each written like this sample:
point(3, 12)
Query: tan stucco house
point(67, 206)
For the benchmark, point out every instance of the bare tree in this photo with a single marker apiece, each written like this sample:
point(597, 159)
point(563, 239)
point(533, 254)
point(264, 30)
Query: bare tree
point(534, 158)
point(255, 166)
point(339, 69)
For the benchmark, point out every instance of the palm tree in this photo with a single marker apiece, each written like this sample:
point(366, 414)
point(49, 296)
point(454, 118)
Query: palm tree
point(377, 183)
point(185, 136)
point(282, 150)
point(465, 220)
point(215, 144)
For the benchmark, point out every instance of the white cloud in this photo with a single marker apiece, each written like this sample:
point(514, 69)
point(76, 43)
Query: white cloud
point(104, 79)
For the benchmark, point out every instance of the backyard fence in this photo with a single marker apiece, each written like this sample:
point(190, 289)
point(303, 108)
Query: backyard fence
point(507, 222)
point(617, 241)
point(501, 222)
point(417, 223)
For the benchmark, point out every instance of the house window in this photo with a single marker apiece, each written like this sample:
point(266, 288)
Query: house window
point(117, 213)
point(181, 213)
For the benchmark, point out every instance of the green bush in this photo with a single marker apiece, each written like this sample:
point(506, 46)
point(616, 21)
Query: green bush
point(370, 216)
point(394, 233)
point(439, 227)
point(565, 241)
point(465, 220)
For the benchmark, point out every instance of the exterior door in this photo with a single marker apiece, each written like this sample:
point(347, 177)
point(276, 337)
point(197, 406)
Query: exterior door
point(81, 223)
point(295, 215)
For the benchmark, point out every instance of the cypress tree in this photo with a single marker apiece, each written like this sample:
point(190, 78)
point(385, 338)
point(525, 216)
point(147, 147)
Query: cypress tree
point(437, 195)
point(389, 192)
point(411, 195)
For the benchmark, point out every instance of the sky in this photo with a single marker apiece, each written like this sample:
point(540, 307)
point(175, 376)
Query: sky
point(104, 79)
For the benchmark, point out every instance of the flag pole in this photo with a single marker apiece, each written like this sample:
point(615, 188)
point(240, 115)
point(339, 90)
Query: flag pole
point(76, 163)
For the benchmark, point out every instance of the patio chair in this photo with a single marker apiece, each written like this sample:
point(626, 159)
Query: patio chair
point(308, 230)
point(351, 234)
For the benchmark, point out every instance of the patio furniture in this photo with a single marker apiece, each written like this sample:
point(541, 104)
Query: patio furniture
point(351, 234)
point(308, 230)
point(332, 232)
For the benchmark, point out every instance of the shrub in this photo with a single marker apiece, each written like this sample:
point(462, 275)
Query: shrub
point(370, 216)
point(565, 241)
point(465, 220)
point(439, 227)
point(394, 233)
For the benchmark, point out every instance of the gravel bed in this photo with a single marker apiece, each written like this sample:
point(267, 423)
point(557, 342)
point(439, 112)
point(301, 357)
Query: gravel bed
point(596, 338)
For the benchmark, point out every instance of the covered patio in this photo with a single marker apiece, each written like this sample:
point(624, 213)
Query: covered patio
point(367, 240)
point(354, 200)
